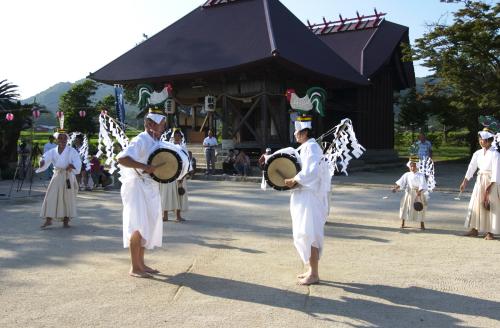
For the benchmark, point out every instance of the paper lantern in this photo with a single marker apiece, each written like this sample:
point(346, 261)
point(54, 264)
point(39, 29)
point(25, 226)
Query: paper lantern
point(35, 112)
point(170, 106)
point(82, 113)
point(9, 116)
point(210, 103)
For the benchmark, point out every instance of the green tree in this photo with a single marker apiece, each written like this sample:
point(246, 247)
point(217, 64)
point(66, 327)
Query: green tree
point(77, 99)
point(107, 103)
point(464, 57)
point(11, 130)
point(414, 113)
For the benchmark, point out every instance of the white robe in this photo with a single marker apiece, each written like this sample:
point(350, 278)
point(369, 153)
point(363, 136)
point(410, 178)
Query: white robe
point(309, 204)
point(477, 216)
point(140, 195)
point(59, 201)
point(411, 183)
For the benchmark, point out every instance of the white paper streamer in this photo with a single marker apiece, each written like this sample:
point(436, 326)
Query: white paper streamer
point(426, 166)
point(110, 133)
point(83, 151)
point(338, 153)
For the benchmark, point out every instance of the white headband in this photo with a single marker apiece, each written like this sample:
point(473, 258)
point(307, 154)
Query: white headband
point(485, 134)
point(157, 118)
point(301, 125)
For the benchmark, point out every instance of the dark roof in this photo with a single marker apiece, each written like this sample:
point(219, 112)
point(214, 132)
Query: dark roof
point(369, 49)
point(228, 36)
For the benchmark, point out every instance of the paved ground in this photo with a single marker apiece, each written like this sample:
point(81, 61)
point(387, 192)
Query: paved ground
point(233, 263)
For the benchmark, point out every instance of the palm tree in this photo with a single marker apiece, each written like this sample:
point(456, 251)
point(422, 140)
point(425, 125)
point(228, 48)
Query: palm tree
point(8, 93)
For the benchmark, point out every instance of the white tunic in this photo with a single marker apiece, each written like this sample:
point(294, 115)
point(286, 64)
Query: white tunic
point(140, 195)
point(309, 200)
point(478, 217)
point(59, 201)
point(411, 183)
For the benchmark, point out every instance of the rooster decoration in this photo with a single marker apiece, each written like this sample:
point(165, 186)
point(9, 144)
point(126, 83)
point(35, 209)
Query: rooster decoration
point(147, 96)
point(314, 100)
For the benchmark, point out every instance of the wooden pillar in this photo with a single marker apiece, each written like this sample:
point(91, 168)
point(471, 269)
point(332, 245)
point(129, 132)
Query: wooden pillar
point(225, 118)
point(264, 121)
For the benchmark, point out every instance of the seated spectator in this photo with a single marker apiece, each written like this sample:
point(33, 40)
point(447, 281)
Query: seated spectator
point(242, 163)
point(228, 164)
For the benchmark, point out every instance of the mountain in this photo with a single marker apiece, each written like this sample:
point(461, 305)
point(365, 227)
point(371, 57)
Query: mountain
point(50, 99)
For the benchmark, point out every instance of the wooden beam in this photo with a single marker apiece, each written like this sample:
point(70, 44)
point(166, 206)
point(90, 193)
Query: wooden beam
point(275, 116)
point(250, 128)
point(247, 114)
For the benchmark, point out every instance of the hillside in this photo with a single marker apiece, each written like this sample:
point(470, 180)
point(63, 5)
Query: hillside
point(50, 99)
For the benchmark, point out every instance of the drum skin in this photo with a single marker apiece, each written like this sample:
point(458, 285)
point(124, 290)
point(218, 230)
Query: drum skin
point(279, 167)
point(171, 168)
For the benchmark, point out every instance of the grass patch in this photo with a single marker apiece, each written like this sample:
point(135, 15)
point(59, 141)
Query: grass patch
point(441, 154)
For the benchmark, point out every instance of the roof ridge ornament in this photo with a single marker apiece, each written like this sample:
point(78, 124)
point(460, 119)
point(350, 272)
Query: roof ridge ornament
point(214, 3)
point(360, 22)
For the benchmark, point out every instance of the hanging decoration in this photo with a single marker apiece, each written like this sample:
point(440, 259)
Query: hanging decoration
point(9, 117)
point(149, 97)
point(82, 113)
point(60, 116)
point(35, 112)
point(120, 105)
point(111, 136)
point(210, 102)
point(83, 151)
point(344, 143)
point(170, 106)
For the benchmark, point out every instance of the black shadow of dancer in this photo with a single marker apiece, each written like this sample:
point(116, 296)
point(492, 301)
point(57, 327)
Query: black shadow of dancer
point(367, 311)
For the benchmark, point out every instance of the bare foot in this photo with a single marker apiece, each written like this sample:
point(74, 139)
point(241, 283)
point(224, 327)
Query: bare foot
point(66, 223)
point(139, 274)
point(179, 219)
point(422, 226)
point(472, 233)
point(403, 226)
point(309, 280)
point(48, 221)
point(489, 236)
point(305, 274)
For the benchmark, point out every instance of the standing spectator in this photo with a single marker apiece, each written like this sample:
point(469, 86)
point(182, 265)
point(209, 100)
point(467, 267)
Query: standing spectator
point(242, 163)
point(96, 171)
point(424, 147)
point(209, 144)
point(228, 164)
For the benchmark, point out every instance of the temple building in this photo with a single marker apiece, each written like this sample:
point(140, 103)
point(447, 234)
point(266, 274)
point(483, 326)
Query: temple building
point(247, 53)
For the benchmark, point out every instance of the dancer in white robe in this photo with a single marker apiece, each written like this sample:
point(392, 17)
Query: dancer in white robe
point(309, 204)
point(142, 225)
point(415, 186)
point(60, 198)
point(486, 193)
point(171, 199)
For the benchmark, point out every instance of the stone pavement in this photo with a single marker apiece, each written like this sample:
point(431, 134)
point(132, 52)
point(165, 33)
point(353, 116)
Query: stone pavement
point(233, 264)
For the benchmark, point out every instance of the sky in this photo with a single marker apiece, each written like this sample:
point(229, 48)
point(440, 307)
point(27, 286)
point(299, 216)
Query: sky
point(51, 41)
